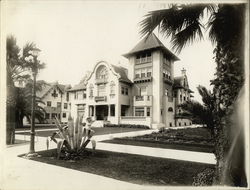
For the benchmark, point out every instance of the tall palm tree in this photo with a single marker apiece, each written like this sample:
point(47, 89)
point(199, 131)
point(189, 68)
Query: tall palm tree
point(17, 68)
point(185, 24)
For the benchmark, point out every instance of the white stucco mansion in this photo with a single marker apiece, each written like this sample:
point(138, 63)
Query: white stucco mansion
point(145, 93)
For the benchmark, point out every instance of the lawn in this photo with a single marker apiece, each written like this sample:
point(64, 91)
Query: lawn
point(131, 168)
point(192, 139)
point(98, 131)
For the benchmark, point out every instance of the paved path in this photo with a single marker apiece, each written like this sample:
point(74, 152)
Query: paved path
point(20, 174)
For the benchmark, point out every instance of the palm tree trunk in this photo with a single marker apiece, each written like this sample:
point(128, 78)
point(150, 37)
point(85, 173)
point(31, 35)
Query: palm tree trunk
point(11, 115)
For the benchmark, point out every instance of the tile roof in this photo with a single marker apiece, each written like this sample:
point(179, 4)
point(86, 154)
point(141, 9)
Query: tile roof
point(122, 72)
point(177, 83)
point(151, 42)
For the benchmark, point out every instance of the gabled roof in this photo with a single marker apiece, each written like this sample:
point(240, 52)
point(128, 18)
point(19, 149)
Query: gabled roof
point(80, 86)
point(122, 72)
point(63, 88)
point(149, 43)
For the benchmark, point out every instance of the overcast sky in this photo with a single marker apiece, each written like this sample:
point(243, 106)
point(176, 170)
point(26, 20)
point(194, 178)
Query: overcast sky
point(74, 35)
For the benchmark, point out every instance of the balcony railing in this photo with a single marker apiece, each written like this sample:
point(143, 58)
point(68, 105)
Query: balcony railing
point(143, 60)
point(143, 79)
point(101, 81)
point(101, 98)
point(145, 100)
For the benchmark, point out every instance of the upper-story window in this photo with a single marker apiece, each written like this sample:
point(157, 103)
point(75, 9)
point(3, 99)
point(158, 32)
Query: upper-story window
point(166, 73)
point(137, 73)
point(65, 106)
point(102, 72)
point(149, 72)
point(58, 104)
point(124, 90)
point(144, 57)
point(143, 73)
point(49, 103)
point(112, 87)
point(101, 90)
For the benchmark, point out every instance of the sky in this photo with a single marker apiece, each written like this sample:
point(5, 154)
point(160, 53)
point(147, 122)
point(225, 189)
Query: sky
point(74, 35)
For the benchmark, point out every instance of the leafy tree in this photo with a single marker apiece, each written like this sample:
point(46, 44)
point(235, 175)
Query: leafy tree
point(202, 112)
point(225, 25)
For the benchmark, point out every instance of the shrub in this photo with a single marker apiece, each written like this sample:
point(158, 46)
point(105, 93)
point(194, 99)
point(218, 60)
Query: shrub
point(204, 178)
point(127, 126)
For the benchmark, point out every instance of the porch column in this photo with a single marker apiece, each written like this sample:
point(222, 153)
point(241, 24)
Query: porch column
point(145, 111)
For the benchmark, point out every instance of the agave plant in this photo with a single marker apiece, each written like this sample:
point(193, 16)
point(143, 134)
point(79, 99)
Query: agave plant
point(74, 137)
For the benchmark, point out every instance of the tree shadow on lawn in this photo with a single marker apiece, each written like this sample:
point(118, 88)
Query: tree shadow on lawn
point(131, 168)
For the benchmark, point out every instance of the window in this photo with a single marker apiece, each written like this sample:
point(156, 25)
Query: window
point(112, 110)
point(49, 103)
point(180, 98)
point(170, 109)
point(185, 124)
point(47, 115)
point(137, 73)
point(170, 124)
point(59, 116)
point(126, 91)
point(58, 104)
point(123, 90)
point(139, 111)
point(179, 123)
point(148, 111)
point(64, 115)
point(65, 106)
point(53, 115)
point(101, 90)
point(67, 96)
point(143, 73)
point(184, 98)
point(190, 123)
point(166, 92)
point(84, 95)
point(75, 95)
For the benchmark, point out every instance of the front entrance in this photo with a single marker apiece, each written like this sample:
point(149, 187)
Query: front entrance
point(101, 112)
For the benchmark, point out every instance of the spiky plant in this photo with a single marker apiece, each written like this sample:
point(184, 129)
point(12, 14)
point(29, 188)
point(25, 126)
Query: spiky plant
point(74, 138)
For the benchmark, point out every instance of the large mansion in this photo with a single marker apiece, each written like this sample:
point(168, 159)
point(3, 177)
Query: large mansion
point(146, 92)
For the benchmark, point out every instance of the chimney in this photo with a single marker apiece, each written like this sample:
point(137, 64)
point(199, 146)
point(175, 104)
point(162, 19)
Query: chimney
point(183, 72)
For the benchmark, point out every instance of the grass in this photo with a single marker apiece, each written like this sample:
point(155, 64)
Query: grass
point(98, 131)
point(131, 168)
point(191, 139)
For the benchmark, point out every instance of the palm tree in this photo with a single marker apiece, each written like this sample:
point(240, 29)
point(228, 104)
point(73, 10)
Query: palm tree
point(185, 24)
point(23, 104)
point(17, 68)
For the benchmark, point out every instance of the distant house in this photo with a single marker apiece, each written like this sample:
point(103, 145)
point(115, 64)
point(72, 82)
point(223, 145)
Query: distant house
point(145, 93)
point(56, 99)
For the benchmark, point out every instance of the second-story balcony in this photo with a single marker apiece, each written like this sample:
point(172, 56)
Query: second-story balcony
point(101, 80)
point(168, 80)
point(100, 98)
point(142, 60)
point(143, 79)
point(145, 100)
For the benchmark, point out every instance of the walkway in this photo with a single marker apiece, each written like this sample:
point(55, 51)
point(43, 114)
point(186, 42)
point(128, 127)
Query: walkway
point(20, 174)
